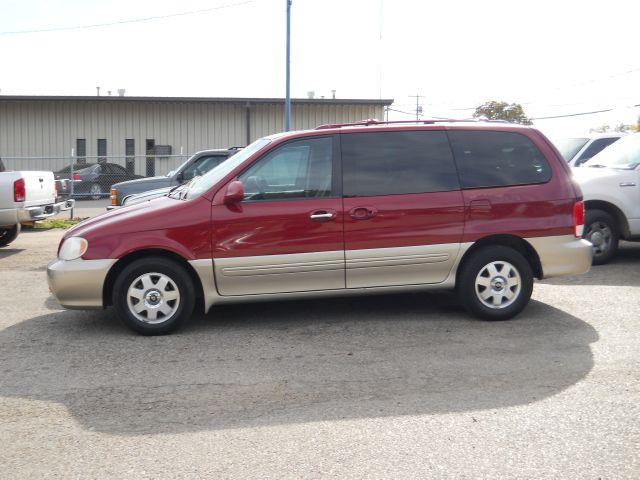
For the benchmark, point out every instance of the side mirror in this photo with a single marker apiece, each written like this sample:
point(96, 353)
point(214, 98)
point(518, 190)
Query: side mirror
point(234, 193)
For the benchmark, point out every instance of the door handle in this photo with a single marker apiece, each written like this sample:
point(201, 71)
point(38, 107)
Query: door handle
point(363, 213)
point(627, 184)
point(322, 215)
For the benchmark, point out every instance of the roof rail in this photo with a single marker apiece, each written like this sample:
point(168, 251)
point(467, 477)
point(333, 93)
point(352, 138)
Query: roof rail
point(426, 121)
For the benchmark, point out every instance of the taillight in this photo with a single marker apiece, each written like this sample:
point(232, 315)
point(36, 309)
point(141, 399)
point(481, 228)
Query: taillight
point(578, 219)
point(75, 177)
point(114, 196)
point(19, 191)
point(55, 188)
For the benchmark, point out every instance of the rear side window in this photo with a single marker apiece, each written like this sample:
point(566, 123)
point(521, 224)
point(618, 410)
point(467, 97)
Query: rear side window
point(393, 163)
point(497, 159)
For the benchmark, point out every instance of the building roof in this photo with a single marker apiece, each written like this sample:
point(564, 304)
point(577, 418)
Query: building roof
point(242, 100)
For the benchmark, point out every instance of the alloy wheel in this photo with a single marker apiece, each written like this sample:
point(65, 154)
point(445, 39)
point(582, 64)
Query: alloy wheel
point(498, 284)
point(153, 298)
point(600, 235)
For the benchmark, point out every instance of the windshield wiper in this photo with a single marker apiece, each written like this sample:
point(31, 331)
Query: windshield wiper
point(183, 193)
point(597, 165)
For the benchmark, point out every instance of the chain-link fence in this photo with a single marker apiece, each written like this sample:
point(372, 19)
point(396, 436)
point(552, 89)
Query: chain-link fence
point(91, 177)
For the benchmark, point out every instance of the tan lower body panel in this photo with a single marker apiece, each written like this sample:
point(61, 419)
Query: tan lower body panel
point(562, 255)
point(280, 273)
point(400, 265)
point(78, 283)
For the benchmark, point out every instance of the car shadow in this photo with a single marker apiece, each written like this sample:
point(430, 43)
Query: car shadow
point(7, 252)
point(622, 271)
point(275, 363)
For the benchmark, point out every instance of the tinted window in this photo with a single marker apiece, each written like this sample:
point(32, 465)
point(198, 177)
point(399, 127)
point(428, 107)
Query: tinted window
point(298, 169)
point(497, 159)
point(201, 166)
point(118, 169)
point(596, 147)
point(392, 163)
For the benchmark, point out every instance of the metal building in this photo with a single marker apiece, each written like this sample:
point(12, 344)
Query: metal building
point(119, 126)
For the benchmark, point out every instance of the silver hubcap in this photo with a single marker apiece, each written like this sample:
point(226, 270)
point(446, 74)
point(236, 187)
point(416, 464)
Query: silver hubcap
point(95, 189)
point(153, 297)
point(498, 284)
point(600, 236)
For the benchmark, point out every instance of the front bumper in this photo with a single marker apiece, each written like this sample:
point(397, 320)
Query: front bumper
point(78, 284)
point(563, 255)
point(33, 214)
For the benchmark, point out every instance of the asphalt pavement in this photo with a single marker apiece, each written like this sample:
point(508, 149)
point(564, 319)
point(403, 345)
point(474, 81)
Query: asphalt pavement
point(390, 386)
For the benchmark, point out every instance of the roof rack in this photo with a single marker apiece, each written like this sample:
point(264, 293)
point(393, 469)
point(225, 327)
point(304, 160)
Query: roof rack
point(426, 121)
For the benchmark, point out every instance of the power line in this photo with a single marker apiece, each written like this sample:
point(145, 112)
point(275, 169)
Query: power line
point(573, 114)
point(133, 20)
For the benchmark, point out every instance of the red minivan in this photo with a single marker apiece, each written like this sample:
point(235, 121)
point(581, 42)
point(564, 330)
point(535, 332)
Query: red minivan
point(482, 207)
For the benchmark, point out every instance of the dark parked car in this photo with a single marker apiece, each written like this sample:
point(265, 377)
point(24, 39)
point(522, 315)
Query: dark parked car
point(199, 164)
point(93, 180)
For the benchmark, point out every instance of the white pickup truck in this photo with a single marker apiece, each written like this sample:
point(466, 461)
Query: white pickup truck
point(26, 197)
point(610, 184)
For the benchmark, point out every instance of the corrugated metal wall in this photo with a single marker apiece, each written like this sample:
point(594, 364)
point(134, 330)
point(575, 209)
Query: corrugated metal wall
point(50, 128)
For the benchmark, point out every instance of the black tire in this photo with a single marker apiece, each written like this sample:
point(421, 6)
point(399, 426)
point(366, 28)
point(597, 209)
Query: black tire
point(168, 269)
point(92, 194)
point(477, 263)
point(601, 229)
point(8, 235)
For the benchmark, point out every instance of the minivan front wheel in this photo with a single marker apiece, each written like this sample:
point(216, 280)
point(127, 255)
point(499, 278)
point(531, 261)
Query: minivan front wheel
point(154, 296)
point(495, 283)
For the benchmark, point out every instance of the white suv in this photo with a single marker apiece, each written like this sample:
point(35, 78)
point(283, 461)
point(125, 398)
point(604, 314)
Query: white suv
point(610, 186)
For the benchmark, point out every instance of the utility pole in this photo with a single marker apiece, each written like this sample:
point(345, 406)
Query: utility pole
point(287, 101)
point(418, 106)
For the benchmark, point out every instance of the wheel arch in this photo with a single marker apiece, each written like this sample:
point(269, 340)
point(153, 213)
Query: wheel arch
point(614, 211)
point(122, 263)
point(511, 241)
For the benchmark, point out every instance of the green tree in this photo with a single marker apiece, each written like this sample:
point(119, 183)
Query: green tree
point(601, 129)
point(511, 112)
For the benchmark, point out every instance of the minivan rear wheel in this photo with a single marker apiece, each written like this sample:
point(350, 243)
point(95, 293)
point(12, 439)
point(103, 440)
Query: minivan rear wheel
point(495, 283)
point(154, 296)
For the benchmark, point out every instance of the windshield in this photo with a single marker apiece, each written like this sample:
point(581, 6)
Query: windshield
point(200, 185)
point(624, 154)
point(568, 147)
point(182, 165)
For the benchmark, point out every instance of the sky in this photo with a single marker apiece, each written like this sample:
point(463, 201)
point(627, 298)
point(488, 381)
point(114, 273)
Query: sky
point(553, 57)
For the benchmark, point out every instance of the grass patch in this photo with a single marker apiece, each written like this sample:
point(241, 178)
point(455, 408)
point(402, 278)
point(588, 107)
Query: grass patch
point(63, 223)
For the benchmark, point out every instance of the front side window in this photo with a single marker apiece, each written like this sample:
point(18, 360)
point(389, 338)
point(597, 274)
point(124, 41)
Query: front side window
point(298, 169)
point(394, 163)
point(497, 159)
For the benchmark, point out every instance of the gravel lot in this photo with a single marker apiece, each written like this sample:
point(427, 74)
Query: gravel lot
point(401, 386)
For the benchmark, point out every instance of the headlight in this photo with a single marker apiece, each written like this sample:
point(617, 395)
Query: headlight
point(72, 248)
